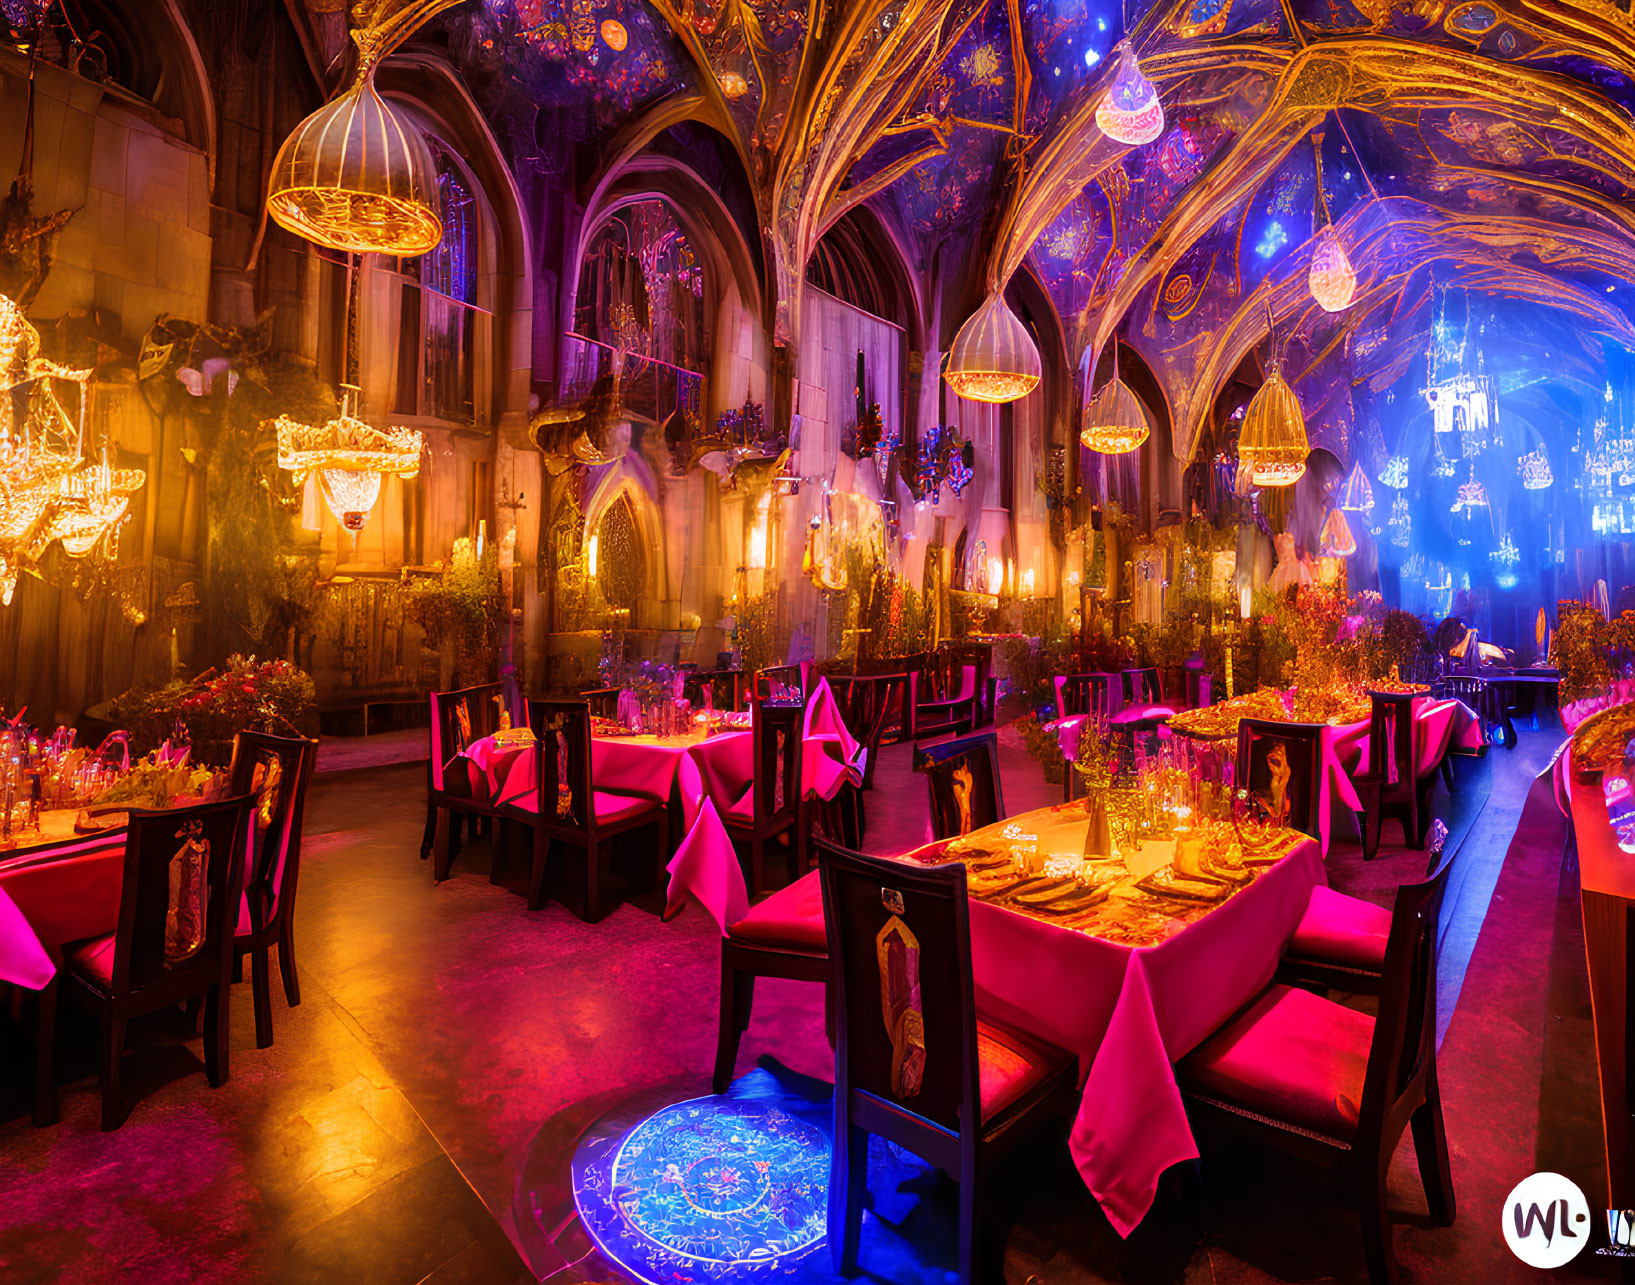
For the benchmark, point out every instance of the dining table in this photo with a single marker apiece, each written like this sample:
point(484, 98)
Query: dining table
point(1440, 727)
point(57, 885)
point(1129, 968)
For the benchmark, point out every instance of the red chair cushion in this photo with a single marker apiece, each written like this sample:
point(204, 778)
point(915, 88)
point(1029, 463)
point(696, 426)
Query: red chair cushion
point(1337, 929)
point(1291, 1056)
point(1009, 1065)
point(94, 961)
point(609, 807)
point(791, 918)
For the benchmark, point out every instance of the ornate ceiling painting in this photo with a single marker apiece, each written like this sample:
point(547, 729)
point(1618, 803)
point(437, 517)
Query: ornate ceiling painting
point(1483, 145)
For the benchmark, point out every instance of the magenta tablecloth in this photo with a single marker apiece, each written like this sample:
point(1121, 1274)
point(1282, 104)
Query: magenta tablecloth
point(1127, 1012)
point(51, 898)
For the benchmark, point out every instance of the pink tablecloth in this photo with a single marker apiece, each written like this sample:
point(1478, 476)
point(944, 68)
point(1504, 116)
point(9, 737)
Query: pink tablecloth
point(1129, 1013)
point(51, 898)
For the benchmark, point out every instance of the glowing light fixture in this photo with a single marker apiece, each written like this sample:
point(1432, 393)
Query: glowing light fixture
point(1395, 473)
point(357, 175)
point(614, 36)
point(1534, 468)
point(1272, 442)
point(1471, 495)
point(1114, 421)
point(1332, 279)
point(733, 85)
point(1507, 554)
point(1357, 496)
point(1338, 542)
point(1400, 523)
point(993, 358)
point(1130, 112)
point(349, 457)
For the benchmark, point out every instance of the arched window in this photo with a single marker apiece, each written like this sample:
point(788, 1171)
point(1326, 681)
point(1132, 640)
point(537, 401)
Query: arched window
point(438, 309)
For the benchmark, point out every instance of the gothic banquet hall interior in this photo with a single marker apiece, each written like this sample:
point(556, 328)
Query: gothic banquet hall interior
point(656, 642)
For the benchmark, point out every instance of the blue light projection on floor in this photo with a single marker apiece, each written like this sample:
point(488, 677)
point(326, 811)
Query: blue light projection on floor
point(736, 1187)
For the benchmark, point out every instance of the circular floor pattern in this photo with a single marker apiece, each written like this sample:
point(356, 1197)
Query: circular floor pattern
point(714, 1188)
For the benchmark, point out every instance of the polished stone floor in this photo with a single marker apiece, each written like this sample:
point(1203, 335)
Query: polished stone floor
point(415, 1118)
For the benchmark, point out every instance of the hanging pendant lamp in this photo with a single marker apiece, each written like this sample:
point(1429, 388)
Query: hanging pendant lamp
point(1357, 496)
point(993, 358)
point(1115, 423)
point(1338, 542)
point(1332, 279)
point(1272, 441)
point(358, 175)
point(1130, 112)
point(349, 456)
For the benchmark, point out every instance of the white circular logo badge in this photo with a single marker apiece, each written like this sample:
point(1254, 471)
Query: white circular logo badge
point(1546, 1221)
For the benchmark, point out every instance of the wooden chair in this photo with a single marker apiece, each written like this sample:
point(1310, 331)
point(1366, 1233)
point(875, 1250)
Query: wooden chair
point(869, 704)
point(565, 808)
point(1302, 747)
point(1389, 786)
point(728, 688)
point(979, 655)
point(771, 806)
point(1320, 1079)
point(1340, 941)
point(455, 789)
point(1098, 694)
point(178, 907)
point(962, 781)
point(931, 1077)
point(943, 702)
point(1142, 686)
point(276, 771)
point(603, 701)
point(779, 682)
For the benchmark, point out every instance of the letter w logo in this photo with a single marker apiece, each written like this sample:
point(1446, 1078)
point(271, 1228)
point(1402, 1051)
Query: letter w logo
point(1524, 1227)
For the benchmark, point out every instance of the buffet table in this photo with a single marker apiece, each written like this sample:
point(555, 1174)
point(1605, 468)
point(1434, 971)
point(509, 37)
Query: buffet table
point(1130, 973)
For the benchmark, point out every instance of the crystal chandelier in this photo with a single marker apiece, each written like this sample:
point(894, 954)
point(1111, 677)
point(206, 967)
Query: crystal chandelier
point(1333, 281)
point(1507, 554)
point(349, 458)
point(1272, 442)
point(1534, 468)
point(1472, 495)
point(1400, 523)
point(1114, 421)
point(1395, 473)
point(1357, 496)
point(993, 358)
point(48, 494)
point(1130, 112)
point(358, 174)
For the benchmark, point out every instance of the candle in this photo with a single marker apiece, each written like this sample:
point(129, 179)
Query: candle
point(1244, 599)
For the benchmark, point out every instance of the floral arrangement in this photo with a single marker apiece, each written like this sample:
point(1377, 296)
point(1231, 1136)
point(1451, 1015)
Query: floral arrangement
point(1589, 649)
point(1600, 741)
point(159, 780)
point(246, 694)
point(1043, 745)
point(1338, 705)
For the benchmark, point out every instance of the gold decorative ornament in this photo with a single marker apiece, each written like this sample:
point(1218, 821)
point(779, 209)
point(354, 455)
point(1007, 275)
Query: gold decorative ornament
point(1272, 442)
point(1115, 423)
point(358, 175)
point(349, 457)
point(1130, 112)
point(993, 358)
point(733, 85)
point(614, 35)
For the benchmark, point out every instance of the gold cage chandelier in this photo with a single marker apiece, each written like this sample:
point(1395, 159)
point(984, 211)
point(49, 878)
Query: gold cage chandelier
point(358, 175)
point(1115, 423)
point(1272, 442)
point(993, 358)
point(349, 458)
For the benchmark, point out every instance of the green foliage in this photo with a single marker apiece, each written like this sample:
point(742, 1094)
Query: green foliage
point(1031, 665)
point(244, 695)
point(463, 609)
point(1043, 745)
point(877, 600)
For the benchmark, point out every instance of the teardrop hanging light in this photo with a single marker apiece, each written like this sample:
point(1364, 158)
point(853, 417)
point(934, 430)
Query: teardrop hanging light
point(1337, 541)
point(1272, 441)
point(1357, 496)
point(993, 358)
point(1115, 423)
point(1130, 112)
point(357, 175)
point(1333, 280)
point(349, 456)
